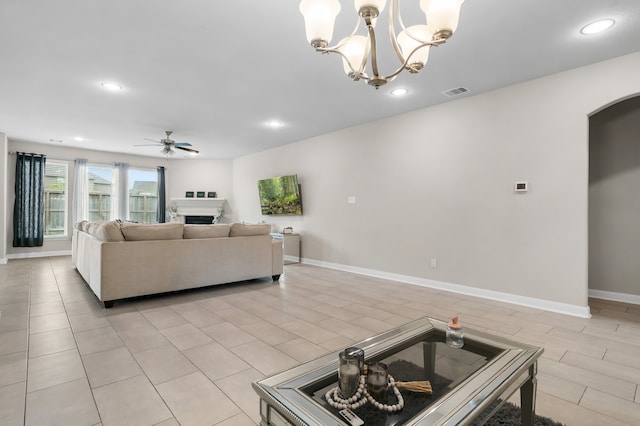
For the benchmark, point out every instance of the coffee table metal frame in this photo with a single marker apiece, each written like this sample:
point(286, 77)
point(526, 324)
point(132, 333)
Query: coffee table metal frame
point(282, 401)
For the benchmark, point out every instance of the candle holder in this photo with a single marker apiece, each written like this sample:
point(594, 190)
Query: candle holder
point(355, 352)
point(377, 380)
point(348, 374)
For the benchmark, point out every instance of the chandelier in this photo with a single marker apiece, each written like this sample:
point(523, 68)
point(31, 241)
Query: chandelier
point(411, 45)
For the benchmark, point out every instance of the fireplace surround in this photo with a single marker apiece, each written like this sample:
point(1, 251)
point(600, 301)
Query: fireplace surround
point(197, 210)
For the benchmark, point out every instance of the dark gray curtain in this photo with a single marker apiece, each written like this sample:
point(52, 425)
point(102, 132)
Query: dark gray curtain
point(162, 204)
point(28, 210)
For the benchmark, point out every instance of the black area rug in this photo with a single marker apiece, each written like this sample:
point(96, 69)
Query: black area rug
point(509, 415)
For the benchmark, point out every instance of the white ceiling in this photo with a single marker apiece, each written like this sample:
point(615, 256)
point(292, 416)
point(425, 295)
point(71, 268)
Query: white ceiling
point(215, 71)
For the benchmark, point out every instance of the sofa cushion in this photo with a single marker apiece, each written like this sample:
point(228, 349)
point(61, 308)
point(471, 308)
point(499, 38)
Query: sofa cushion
point(217, 230)
point(105, 231)
point(91, 228)
point(159, 231)
point(249, 229)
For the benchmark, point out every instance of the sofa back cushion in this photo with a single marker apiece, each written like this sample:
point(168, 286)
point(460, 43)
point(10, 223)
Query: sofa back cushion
point(218, 230)
point(104, 231)
point(249, 229)
point(159, 231)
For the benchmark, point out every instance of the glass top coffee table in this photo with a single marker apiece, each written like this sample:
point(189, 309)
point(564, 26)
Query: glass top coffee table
point(469, 384)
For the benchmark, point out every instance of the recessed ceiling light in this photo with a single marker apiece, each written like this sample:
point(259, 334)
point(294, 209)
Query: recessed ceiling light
point(78, 139)
point(399, 92)
point(111, 86)
point(274, 124)
point(597, 27)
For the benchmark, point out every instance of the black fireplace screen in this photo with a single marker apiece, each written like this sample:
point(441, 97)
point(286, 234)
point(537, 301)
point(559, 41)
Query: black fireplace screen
point(198, 220)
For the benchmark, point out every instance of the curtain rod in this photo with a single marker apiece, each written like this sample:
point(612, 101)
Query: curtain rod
point(30, 153)
point(42, 155)
point(58, 159)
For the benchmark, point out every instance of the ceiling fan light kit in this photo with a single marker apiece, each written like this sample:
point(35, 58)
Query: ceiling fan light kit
point(411, 45)
point(167, 151)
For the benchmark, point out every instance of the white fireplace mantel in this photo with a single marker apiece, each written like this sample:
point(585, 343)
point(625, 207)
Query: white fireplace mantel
point(197, 207)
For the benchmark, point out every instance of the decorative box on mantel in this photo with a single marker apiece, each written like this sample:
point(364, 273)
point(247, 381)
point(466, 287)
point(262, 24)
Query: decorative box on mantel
point(197, 210)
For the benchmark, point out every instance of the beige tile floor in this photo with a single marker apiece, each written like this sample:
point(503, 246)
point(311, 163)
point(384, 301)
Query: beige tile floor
point(189, 358)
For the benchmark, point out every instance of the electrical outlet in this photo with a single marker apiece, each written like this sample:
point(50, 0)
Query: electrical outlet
point(434, 263)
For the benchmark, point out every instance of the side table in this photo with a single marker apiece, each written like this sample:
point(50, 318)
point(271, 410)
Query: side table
point(290, 245)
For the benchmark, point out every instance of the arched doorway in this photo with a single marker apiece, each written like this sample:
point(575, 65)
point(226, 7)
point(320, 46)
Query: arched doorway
point(614, 202)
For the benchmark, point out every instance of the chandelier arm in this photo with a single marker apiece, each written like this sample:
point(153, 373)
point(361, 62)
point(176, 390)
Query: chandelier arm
point(356, 74)
point(374, 48)
point(361, 75)
point(404, 65)
point(392, 30)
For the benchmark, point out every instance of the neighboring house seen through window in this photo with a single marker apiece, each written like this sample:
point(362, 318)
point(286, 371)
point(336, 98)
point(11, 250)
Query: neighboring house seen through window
point(100, 180)
point(142, 193)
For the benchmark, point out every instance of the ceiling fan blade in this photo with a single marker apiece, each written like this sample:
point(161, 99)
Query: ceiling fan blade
point(194, 151)
point(148, 144)
point(181, 144)
point(152, 140)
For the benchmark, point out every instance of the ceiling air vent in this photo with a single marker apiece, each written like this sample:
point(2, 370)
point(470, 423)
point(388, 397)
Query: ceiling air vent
point(455, 92)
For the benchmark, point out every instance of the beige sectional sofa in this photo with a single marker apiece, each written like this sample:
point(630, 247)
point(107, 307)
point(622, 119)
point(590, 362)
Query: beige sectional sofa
point(121, 260)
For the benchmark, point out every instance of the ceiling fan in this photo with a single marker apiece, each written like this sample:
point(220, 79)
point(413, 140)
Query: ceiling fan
point(168, 143)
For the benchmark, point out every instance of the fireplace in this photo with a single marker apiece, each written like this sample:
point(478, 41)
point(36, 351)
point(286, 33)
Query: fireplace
point(197, 210)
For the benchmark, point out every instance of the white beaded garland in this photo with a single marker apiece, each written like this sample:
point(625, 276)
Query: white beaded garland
point(361, 397)
point(334, 397)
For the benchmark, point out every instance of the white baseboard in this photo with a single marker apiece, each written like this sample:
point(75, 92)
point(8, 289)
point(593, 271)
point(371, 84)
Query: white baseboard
point(3, 261)
point(615, 297)
point(39, 254)
point(547, 305)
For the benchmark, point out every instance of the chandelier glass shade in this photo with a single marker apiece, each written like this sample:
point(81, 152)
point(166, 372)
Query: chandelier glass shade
point(360, 52)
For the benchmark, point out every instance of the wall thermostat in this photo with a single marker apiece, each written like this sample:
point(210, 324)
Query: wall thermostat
point(520, 186)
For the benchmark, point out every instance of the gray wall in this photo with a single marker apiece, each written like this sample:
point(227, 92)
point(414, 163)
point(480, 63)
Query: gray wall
point(438, 183)
point(201, 175)
point(614, 198)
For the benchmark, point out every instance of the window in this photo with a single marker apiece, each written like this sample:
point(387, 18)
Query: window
point(143, 195)
point(55, 199)
point(100, 180)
